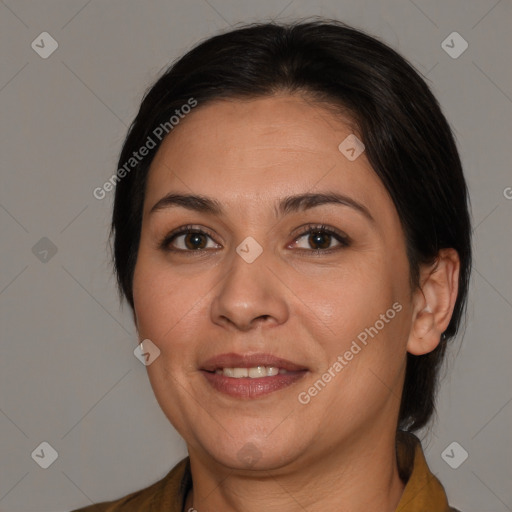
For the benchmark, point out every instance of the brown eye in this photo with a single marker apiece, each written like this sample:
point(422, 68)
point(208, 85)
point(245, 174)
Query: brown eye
point(320, 238)
point(195, 240)
point(187, 240)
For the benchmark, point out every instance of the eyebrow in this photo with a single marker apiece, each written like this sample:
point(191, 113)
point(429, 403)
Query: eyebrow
point(286, 205)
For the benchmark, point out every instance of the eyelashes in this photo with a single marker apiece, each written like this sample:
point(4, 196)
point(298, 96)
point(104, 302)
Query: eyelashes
point(318, 234)
point(165, 244)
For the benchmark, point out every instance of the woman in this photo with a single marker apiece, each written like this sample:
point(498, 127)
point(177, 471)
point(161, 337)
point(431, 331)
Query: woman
point(291, 230)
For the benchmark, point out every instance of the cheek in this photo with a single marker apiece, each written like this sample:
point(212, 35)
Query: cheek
point(360, 314)
point(167, 304)
point(168, 309)
point(348, 297)
point(370, 354)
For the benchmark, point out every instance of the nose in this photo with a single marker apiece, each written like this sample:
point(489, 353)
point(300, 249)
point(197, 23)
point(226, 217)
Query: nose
point(250, 294)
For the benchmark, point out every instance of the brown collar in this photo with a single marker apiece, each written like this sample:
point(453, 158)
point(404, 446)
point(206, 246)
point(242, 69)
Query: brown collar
point(423, 491)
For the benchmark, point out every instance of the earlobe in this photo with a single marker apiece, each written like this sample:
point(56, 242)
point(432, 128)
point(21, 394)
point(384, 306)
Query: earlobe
point(434, 302)
point(424, 336)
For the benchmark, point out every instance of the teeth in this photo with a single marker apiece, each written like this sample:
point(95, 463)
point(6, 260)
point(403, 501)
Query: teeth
point(240, 372)
point(253, 373)
point(259, 371)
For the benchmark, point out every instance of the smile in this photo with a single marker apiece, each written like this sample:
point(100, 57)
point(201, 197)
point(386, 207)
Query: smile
point(254, 372)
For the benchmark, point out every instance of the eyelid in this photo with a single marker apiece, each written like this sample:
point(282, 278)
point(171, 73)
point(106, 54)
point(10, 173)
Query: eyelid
point(303, 230)
point(343, 239)
point(183, 230)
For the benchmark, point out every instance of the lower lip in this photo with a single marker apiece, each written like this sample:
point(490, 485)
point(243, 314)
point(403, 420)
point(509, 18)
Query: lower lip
point(248, 388)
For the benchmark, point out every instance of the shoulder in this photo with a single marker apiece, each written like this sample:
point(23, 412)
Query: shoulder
point(166, 494)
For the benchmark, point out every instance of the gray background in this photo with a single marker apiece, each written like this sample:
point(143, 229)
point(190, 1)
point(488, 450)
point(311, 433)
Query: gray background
point(68, 375)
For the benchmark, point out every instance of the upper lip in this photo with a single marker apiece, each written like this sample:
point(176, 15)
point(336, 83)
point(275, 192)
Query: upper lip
point(232, 360)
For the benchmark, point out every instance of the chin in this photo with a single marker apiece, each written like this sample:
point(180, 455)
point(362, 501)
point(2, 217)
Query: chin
point(259, 451)
point(252, 457)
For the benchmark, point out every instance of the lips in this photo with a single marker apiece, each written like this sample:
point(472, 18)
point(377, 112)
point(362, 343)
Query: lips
point(250, 376)
point(249, 361)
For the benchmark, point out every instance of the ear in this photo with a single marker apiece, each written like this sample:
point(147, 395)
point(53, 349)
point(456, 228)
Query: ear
point(433, 302)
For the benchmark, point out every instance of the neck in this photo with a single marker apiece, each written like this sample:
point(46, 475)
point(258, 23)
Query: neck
point(359, 475)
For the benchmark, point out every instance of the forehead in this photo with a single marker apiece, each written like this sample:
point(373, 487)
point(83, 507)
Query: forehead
point(264, 148)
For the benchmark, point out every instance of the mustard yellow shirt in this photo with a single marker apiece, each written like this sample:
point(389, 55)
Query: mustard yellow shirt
point(423, 492)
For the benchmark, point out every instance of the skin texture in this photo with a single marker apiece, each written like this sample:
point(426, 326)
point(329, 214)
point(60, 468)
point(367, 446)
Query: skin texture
point(290, 302)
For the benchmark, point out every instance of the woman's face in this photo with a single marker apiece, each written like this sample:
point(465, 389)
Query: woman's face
point(261, 288)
